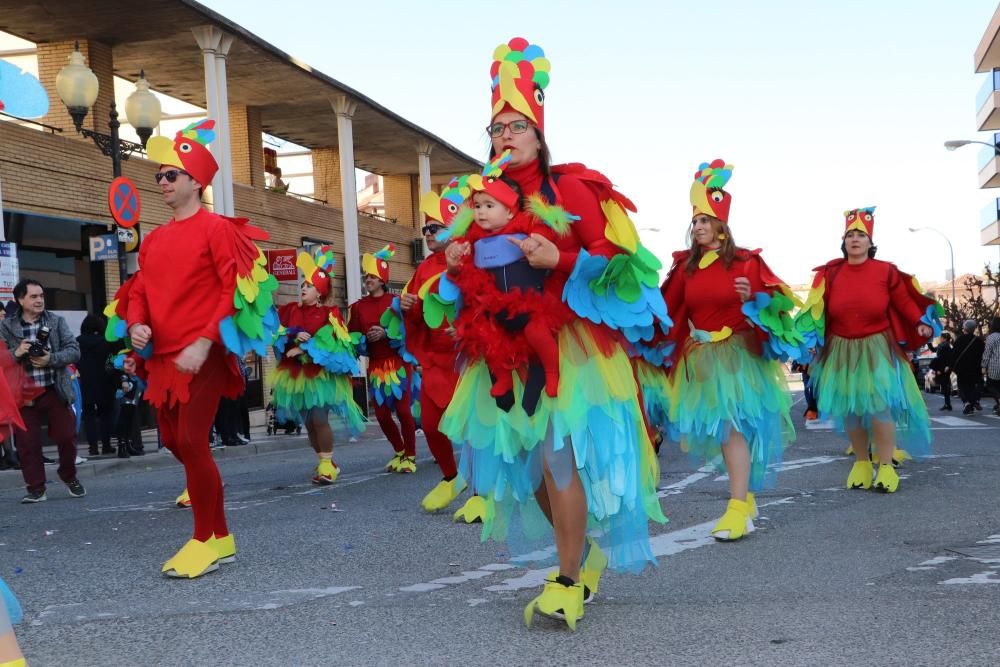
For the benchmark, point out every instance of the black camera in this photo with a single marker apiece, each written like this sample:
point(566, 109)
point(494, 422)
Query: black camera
point(40, 346)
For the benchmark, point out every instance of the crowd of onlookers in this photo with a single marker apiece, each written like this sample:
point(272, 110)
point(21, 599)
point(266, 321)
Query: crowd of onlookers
point(973, 361)
point(79, 386)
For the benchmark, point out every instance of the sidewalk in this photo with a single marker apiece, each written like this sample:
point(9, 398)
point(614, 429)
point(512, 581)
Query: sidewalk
point(109, 464)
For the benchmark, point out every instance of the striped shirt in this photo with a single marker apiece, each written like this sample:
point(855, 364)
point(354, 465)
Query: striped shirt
point(991, 356)
point(43, 377)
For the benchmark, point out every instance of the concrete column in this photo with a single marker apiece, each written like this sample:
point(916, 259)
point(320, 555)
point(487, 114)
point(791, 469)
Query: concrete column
point(344, 107)
point(424, 149)
point(223, 132)
point(209, 39)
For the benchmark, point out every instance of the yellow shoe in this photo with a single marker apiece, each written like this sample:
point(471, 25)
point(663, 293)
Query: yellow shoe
point(19, 662)
point(225, 547)
point(326, 472)
point(861, 475)
point(393, 464)
point(751, 506)
point(183, 500)
point(735, 523)
point(849, 451)
point(193, 560)
point(887, 480)
point(407, 464)
point(557, 601)
point(473, 511)
point(442, 494)
point(899, 456)
point(593, 568)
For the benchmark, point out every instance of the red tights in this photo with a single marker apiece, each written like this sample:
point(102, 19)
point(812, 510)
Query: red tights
point(401, 442)
point(437, 442)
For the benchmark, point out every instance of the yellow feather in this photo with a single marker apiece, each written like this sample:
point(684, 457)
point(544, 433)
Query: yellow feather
point(426, 287)
point(723, 334)
point(111, 308)
point(620, 229)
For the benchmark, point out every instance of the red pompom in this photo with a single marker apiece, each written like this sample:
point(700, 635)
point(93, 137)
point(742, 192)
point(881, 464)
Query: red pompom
point(518, 44)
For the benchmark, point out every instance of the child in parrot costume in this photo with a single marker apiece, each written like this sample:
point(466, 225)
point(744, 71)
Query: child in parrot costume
point(316, 360)
point(860, 319)
point(202, 297)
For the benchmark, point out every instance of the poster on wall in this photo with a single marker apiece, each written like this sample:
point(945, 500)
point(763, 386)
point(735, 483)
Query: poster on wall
point(9, 270)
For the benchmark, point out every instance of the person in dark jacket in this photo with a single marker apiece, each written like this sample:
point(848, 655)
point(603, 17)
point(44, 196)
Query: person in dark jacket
point(96, 384)
point(942, 367)
point(968, 364)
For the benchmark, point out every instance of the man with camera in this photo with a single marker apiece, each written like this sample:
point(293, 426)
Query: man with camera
point(44, 344)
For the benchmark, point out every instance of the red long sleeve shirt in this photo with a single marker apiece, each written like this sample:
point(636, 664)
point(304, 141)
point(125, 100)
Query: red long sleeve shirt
point(859, 296)
point(366, 313)
point(708, 297)
point(432, 347)
point(186, 284)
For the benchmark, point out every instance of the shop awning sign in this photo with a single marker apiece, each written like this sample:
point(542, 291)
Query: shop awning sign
point(123, 201)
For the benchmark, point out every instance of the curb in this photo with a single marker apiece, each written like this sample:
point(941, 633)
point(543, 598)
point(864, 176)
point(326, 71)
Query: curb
point(155, 460)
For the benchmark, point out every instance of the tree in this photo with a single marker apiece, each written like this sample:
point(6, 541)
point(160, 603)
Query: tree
point(973, 305)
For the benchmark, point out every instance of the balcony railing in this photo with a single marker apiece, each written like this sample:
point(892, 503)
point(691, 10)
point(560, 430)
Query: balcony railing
point(987, 154)
point(990, 214)
point(990, 85)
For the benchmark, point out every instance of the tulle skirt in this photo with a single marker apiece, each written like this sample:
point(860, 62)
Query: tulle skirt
point(718, 387)
point(858, 380)
point(299, 390)
point(10, 610)
point(655, 385)
point(593, 429)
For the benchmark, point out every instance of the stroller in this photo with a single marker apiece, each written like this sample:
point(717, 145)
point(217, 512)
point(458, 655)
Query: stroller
point(289, 426)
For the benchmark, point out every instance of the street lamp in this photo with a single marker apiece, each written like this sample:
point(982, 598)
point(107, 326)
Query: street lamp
point(952, 144)
point(78, 87)
point(951, 251)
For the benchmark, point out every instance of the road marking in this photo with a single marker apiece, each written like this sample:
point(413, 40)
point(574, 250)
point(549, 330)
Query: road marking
point(955, 421)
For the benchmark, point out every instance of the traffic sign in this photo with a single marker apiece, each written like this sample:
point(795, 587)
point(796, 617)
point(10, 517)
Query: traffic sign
point(103, 248)
point(130, 237)
point(123, 200)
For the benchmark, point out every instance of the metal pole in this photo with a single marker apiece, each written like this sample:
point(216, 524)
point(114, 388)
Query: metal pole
point(951, 251)
point(116, 168)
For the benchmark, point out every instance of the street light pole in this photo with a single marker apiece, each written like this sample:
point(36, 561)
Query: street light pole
point(951, 252)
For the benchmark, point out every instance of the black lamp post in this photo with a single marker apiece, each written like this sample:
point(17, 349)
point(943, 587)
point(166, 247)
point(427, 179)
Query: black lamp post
point(78, 87)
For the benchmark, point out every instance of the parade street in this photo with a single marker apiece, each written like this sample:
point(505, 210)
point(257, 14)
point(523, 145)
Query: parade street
point(357, 574)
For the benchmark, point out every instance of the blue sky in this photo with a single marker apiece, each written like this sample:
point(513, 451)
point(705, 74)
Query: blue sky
point(821, 106)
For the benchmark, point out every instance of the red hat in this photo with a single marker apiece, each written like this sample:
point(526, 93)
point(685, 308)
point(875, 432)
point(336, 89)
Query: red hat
point(862, 219)
point(319, 269)
point(490, 183)
point(707, 195)
point(377, 263)
point(519, 75)
point(187, 151)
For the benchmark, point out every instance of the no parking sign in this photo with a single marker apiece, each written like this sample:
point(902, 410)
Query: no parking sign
point(123, 201)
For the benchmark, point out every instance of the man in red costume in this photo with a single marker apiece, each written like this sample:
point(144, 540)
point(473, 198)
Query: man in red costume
point(175, 305)
point(389, 377)
point(434, 348)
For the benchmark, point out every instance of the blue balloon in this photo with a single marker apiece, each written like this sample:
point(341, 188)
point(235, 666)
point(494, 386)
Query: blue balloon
point(21, 94)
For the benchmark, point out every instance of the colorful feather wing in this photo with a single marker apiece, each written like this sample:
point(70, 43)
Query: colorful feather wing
point(254, 323)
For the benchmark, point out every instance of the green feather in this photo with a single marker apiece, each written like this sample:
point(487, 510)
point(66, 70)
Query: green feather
point(556, 217)
point(461, 222)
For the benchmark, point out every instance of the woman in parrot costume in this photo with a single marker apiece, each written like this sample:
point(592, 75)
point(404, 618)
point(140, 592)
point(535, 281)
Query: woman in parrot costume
point(316, 360)
point(860, 319)
point(555, 465)
point(202, 297)
point(727, 387)
point(390, 376)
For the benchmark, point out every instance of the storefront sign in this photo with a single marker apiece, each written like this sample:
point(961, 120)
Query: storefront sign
point(281, 264)
point(9, 271)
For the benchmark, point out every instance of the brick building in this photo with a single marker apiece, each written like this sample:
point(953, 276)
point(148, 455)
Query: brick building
point(54, 181)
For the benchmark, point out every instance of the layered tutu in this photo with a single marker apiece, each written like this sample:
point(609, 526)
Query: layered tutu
point(858, 380)
point(388, 380)
point(717, 387)
point(300, 389)
point(10, 610)
point(594, 426)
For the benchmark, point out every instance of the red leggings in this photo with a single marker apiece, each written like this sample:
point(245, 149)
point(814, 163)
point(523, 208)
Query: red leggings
point(437, 442)
point(407, 441)
point(184, 428)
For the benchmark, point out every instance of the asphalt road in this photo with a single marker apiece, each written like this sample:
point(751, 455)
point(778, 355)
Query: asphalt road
point(357, 574)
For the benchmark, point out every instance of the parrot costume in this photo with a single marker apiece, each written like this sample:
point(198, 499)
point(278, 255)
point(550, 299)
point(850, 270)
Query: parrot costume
point(592, 432)
point(390, 376)
point(202, 277)
point(726, 377)
point(317, 380)
point(861, 319)
point(10, 615)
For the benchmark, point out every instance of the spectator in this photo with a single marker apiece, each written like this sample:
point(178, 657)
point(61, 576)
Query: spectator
point(991, 363)
point(942, 367)
point(97, 385)
point(44, 344)
point(968, 366)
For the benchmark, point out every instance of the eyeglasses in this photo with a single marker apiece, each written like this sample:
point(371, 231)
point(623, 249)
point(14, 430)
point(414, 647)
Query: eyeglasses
point(170, 174)
point(516, 127)
point(431, 229)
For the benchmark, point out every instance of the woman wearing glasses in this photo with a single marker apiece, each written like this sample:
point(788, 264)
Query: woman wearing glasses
point(727, 388)
point(860, 317)
point(582, 457)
